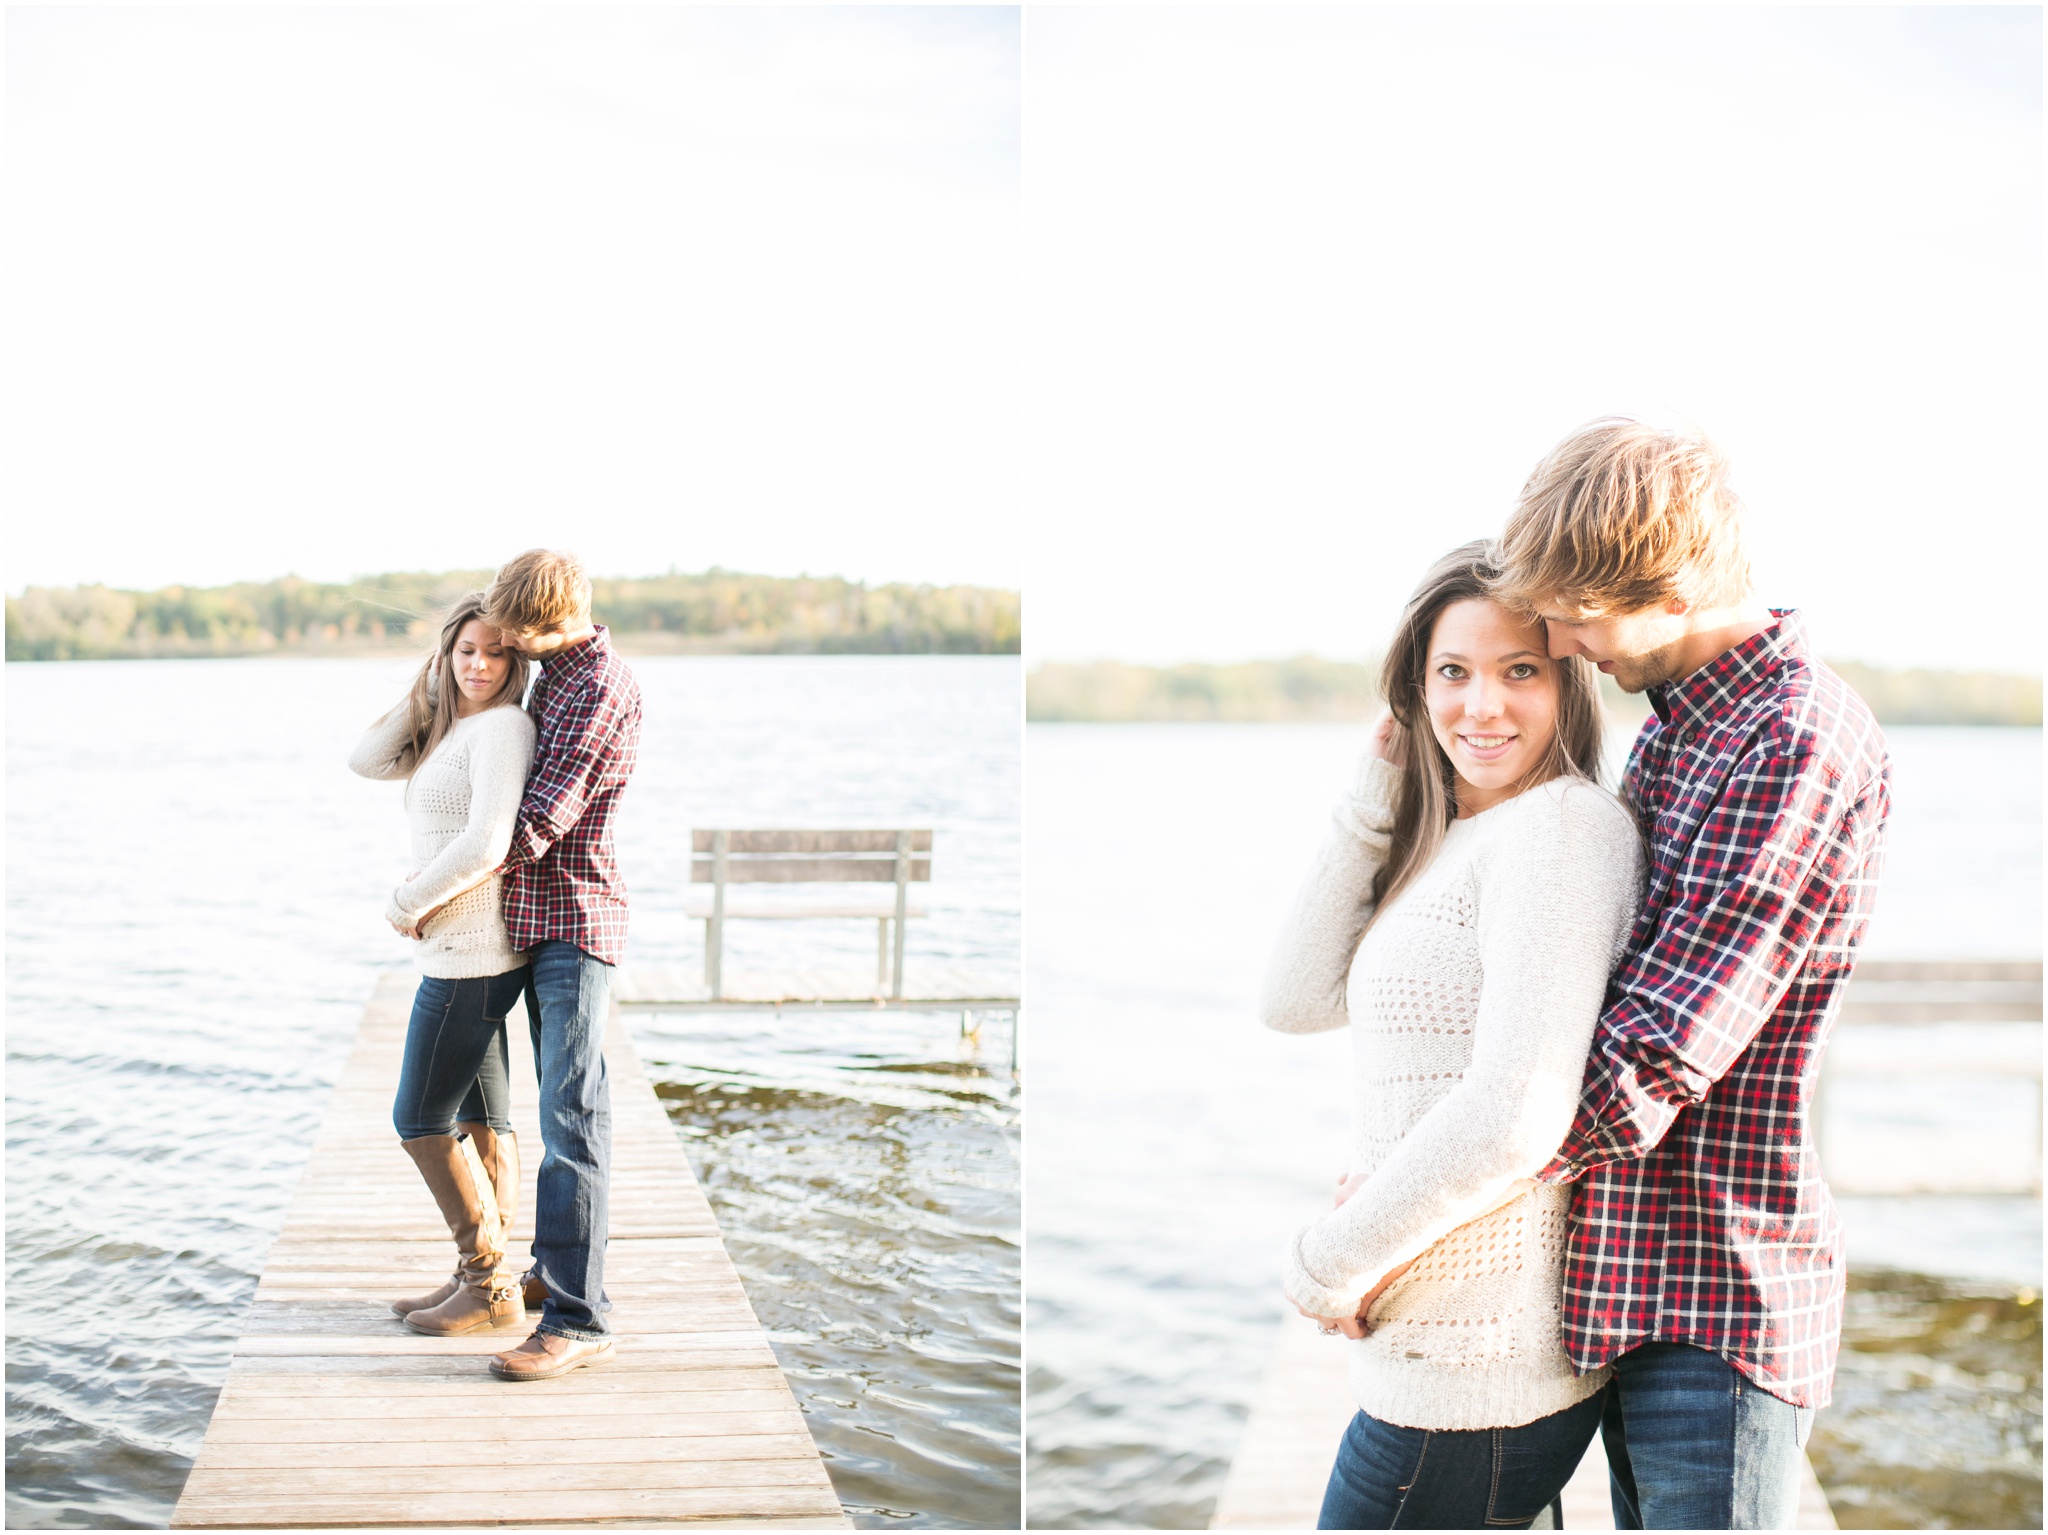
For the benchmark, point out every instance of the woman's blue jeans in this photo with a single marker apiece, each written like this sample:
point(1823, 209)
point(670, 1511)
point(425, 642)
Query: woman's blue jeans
point(455, 1064)
point(1392, 1478)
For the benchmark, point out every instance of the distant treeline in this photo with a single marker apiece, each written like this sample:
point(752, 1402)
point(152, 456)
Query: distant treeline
point(717, 613)
point(1310, 688)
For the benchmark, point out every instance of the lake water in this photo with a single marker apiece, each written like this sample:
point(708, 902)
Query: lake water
point(194, 892)
point(1175, 1143)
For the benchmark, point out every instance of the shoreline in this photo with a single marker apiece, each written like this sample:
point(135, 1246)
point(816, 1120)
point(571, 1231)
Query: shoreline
point(628, 645)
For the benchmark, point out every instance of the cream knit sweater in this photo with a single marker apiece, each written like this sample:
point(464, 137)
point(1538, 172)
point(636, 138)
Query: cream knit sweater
point(1472, 1001)
point(462, 802)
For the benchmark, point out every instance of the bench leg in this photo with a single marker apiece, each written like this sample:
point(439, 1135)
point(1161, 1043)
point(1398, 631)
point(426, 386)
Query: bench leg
point(881, 954)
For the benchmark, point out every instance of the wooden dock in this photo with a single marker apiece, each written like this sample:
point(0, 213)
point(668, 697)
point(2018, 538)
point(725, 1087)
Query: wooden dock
point(335, 1415)
point(1304, 1403)
point(927, 988)
point(1918, 1020)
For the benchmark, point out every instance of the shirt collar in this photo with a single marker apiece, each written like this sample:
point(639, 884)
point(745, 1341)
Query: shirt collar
point(1699, 697)
point(572, 661)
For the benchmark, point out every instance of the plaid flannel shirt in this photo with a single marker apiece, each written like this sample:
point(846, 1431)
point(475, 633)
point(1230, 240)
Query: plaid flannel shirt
point(562, 875)
point(1700, 1216)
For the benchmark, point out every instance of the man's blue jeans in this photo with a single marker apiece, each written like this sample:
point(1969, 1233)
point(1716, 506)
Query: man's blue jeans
point(1694, 1444)
point(1392, 1478)
point(568, 1001)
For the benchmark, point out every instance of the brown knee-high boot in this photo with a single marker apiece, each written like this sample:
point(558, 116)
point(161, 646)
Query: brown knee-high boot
point(499, 1153)
point(499, 1156)
point(484, 1297)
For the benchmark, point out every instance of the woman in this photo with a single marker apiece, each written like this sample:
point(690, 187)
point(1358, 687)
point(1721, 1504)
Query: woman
point(1491, 883)
point(464, 744)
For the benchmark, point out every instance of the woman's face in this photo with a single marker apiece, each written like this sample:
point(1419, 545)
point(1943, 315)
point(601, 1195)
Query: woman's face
point(1491, 692)
point(479, 661)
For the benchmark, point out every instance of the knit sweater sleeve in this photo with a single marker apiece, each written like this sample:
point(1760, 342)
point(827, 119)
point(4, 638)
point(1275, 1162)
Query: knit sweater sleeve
point(1306, 979)
point(1557, 892)
point(500, 752)
point(376, 754)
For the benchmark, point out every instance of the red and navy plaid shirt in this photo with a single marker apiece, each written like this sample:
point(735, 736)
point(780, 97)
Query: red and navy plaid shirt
point(562, 874)
point(1700, 1216)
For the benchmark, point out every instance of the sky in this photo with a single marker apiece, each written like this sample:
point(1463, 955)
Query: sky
point(1311, 292)
point(344, 290)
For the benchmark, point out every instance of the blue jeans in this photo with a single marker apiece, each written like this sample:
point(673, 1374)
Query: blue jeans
point(568, 1005)
point(455, 1062)
point(1694, 1444)
point(1393, 1478)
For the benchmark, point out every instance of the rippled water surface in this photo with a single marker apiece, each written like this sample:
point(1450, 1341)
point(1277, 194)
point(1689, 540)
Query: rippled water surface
point(194, 888)
point(864, 1169)
point(1936, 1422)
point(1174, 1143)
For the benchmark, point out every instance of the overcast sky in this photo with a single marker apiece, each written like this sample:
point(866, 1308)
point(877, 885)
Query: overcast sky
point(1313, 290)
point(345, 290)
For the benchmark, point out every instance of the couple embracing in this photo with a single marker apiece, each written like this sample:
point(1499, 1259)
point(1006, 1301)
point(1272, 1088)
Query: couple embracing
point(516, 892)
point(1584, 1194)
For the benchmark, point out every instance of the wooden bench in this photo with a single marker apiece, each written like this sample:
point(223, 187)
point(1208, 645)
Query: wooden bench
point(722, 857)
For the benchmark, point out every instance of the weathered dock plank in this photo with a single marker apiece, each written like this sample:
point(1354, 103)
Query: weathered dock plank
point(335, 1415)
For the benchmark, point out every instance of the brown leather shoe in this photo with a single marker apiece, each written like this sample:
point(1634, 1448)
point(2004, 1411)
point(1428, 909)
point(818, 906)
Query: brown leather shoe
point(534, 1289)
point(544, 1356)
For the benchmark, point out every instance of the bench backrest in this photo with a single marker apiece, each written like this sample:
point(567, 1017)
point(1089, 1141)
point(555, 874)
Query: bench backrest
point(735, 857)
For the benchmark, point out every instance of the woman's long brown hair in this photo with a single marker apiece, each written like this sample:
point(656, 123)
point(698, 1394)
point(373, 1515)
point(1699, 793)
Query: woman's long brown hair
point(431, 703)
point(1426, 801)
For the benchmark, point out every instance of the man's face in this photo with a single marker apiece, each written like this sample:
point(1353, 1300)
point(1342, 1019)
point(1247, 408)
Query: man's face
point(1638, 650)
point(538, 646)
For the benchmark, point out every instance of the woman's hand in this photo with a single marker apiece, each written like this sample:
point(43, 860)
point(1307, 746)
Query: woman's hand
point(1350, 1327)
point(1386, 731)
point(1356, 1326)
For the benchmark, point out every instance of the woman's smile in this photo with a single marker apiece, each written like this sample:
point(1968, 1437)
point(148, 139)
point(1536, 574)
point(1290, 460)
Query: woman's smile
point(1486, 748)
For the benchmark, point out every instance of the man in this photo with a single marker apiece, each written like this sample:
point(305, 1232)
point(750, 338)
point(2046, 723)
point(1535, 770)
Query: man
point(1705, 1259)
point(565, 905)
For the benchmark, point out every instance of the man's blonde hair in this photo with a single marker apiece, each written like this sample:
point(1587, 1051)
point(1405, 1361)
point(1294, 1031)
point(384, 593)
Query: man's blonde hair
point(538, 592)
point(1622, 516)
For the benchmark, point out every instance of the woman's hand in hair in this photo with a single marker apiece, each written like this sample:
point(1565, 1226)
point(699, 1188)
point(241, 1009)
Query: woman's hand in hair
point(1386, 732)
